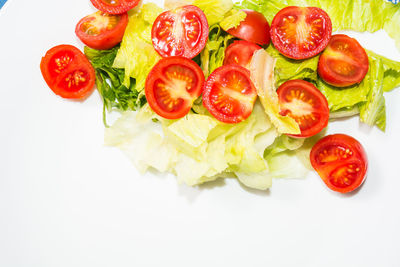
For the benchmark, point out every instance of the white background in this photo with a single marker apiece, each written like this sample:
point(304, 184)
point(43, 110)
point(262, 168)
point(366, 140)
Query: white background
point(66, 200)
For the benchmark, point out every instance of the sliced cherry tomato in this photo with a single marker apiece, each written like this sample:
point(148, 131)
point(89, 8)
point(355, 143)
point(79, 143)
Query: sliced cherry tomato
point(254, 28)
point(180, 32)
point(344, 62)
point(101, 30)
point(301, 32)
point(340, 161)
point(173, 85)
point(229, 94)
point(303, 102)
point(240, 53)
point(67, 72)
point(114, 6)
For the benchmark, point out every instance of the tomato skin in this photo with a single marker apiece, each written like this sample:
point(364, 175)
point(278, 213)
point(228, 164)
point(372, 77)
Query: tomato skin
point(229, 94)
point(344, 62)
point(302, 101)
point(240, 53)
point(116, 6)
point(164, 86)
point(180, 32)
point(340, 161)
point(313, 23)
point(255, 28)
point(68, 72)
point(95, 33)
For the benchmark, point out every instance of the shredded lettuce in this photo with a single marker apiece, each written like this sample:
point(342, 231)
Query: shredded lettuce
point(214, 10)
point(262, 74)
point(233, 19)
point(136, 54)
point(198, 148)
point(213, 54)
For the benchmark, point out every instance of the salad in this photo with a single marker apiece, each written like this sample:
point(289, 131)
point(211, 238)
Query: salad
point(210, 88)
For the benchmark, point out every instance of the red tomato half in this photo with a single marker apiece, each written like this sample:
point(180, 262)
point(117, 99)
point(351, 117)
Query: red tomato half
point(301, 32)
point(173, 85)
point(340, 161)
point(344, 62)
point(240, 53)
point(67, 72)
point(229, 94)
point(114, 6)
point(254, 28)
point(180, 32)
point(303, 102)
point(101, 30)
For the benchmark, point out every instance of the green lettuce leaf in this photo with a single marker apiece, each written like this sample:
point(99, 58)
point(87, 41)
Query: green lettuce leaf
point(213, 54)
point(290, 69)
point(214, 10)
point(232, 19)
point(373, 110)
point(136, 54)
point(109, 82)
point(262, 74)
point(367, 97)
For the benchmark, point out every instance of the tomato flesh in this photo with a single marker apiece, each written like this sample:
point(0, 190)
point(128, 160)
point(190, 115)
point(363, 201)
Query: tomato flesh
point(255, 28)
point(180, 32)
point(114, 6)
point(303, 102)
point(101, 30)
point(67, 72)
point(229, 94)
point(344, 62)
point(301, 32)
point(173, 85)
point(240, 53)
point(340, 161)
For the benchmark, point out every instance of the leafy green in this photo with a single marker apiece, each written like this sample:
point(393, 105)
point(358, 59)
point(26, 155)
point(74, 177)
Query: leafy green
point(358, 15)
point(214, 10)
point(109, 82)
point(262, 74)
point(367, 97)
point(373, 110)
point(213, 54)
point(290, 69)
point(232, 19)
point(136, 54)
point(198, 148)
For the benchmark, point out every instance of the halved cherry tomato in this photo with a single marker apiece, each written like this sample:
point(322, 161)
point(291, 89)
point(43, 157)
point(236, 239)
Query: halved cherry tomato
point(67, 72)
point(114, 6)
point(240, 53)
point(173, 85)
point(301, 32)
point(344, 62)
point(254, 28)
point(340, 161)
point(229, 94)
point(303, 102)
point(101, 30)
point(180, 32)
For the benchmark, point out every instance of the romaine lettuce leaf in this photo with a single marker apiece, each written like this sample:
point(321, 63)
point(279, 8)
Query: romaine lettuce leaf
point(357, 15)
point(290, 69)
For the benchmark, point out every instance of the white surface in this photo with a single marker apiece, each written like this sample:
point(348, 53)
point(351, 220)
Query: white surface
point(65, 200)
